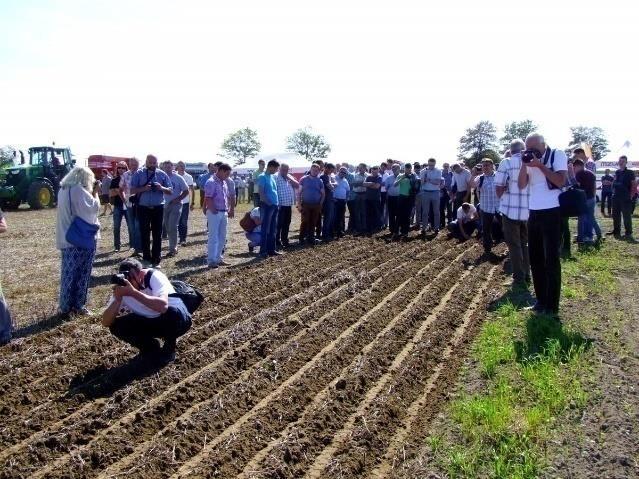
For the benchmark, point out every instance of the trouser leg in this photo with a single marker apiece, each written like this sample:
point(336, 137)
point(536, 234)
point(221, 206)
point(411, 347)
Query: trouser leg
point(183, 228)
point(616, 215)
point(144, 215)
point(517, 250)
point(157, 216)
point(173, 221)
point(487, 230)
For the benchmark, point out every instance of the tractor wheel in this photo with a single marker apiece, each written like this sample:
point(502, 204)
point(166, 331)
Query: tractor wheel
point(40, 195)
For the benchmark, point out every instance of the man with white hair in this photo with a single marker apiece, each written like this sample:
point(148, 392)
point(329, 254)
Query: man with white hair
point(513, 206)
point(545, 172)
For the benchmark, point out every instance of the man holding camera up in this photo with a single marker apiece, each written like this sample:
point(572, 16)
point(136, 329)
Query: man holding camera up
point(545, 172)
point(149, 185)
point(140, 311)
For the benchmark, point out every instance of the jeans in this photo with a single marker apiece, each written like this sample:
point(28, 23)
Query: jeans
point(135, 240)
point(445, 209)
point(587, 222)
point(140, 331)
point(171, 221)
point(183, 227)
point(254, 238)
point(151, 224)
point(328, 213)
point(338, 218)
point(360, 212)
point(256, 200)
point(310, 216)
point(268, 215)
point(430, 199)
point(283, 225)
point(217, 236)
point(516, 237)
point(606, 199)
point(622, 207)
point(118, 213)
point(75, 273)
point(544, 242)
point(392, 206)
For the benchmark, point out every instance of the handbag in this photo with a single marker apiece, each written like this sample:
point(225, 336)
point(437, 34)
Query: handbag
point(81, 234)
point(247, 222)
point(572, 202)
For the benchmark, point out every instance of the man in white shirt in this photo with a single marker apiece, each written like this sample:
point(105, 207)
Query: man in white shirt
point(513, 206)
point(340, 195)
point(466, 222)
point(545, 172)
point(461, 185)
point(141, 310)
point(183, 227)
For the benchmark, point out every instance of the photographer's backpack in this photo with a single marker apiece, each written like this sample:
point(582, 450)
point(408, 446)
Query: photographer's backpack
point(572, 200)
point(190, 296)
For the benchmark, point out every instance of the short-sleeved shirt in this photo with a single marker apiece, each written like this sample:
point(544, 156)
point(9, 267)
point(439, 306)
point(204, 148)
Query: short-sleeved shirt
point(389, 182)
point(267, 182)
point(428, 175)
point(622, 184)
point(463, 217)
point(514, 202)
point(542, 197)
point(358, 179)
point(407, 184)
point(255, 215)
point(312, 188)
point(342, 189)
point(178, 185)
point(188, 179)
point(158, 286)
point(106, 185)
point(285, 191)
point(202, 179)
point(218, 191)
point(461, 180)
point(607, 188)
point(374, 193)
point(587, 182)
point(326, 179)
point(487, 193)
point(256, 174)
point(143, 177)
point(115, 183)
point(448, 179)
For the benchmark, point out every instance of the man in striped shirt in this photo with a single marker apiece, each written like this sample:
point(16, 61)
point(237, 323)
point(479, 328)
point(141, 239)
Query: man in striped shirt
point(286, 185)
point(514, 213)
point(489, 204)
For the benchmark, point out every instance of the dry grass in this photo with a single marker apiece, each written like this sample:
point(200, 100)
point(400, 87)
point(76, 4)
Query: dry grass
point(30, 266)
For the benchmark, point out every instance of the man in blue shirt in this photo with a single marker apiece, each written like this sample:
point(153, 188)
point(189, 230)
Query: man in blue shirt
point(173, 206)
point(150, 185)
point(269, 202)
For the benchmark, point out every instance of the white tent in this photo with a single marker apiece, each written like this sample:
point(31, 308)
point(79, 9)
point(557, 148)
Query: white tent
point(611, 159)
point(296, 163)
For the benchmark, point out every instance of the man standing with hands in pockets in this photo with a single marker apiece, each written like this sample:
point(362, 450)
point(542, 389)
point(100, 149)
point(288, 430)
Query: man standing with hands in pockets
point(218, 209)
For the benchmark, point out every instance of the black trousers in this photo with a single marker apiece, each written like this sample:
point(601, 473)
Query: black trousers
point(460, 197)
point(565, 236)
point(140, 331)
point(151, 225)
point(445, 209)
point(404, 207)
point(491, 230)
point(606, 198)
point(283, 225)
point(544, 241)
point(392, 203)
point(373, 215)
point(622, 208)
point(351, 216)
point(339, 218)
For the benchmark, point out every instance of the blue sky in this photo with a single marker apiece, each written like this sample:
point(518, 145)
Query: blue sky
point(379, 79)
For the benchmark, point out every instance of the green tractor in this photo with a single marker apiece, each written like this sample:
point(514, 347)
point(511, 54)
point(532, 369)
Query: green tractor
point(38, 182)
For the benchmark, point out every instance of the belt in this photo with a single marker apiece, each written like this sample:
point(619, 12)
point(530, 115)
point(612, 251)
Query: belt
point(152, 207)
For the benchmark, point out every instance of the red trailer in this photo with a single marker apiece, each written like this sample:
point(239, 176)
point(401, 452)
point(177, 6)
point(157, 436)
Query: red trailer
point(97, 163)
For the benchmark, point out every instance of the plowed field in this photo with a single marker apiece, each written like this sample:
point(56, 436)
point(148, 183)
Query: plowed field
point(327, 362)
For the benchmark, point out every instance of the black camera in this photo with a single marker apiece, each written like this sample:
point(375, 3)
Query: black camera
point(528, 155)
point(153, 187)
point(119, 279)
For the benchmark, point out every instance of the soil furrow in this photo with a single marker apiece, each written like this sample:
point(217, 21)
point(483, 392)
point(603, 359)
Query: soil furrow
point(98, 419)
point(371, 432)
point(227, 453)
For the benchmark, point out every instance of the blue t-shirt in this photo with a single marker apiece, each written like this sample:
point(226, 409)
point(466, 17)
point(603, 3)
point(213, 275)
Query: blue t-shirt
point(267, 182)
point(312, 188)
point(144, 176)
point(178, 184)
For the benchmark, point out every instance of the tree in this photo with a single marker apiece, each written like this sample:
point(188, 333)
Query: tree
point(241, 145)
point(594, 136)
point(476, 141)
point(516, 129)
point(308, 144)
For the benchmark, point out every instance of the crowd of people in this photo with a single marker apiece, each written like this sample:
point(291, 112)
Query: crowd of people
point(517, 202)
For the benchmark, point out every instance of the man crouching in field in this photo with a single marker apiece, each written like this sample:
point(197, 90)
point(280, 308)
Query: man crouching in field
point(140, 311)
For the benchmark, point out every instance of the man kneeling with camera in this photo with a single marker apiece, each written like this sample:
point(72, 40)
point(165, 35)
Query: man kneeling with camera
point(141, 310)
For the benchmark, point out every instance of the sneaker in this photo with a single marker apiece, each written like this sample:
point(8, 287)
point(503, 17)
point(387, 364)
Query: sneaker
point(167, 353)
point(117, 250)
point(183, 243)
point(224, 263)
point(251, 248)
point(275, 253)
point(82, 312)
point(213, 266)
point(170, 254)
